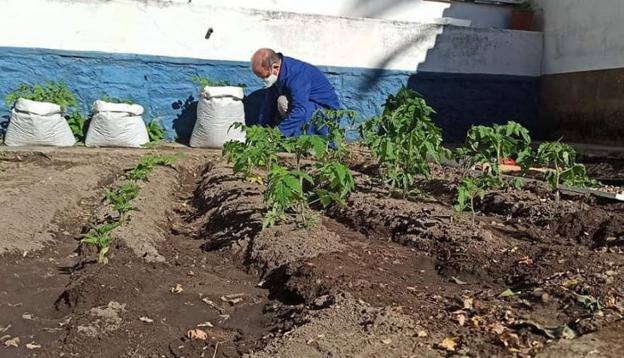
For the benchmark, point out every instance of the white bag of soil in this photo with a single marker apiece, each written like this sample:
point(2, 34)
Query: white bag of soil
point(217, 110)
point(116, 125)
point(38, 123)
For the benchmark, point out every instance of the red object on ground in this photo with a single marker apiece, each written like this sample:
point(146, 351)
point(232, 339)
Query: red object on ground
point(507, 161)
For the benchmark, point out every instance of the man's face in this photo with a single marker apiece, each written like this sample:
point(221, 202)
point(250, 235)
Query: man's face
point(265, 72)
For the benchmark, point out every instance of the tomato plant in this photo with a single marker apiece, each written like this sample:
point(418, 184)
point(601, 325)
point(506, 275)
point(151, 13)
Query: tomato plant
point(332, 120)
point(403, 139)
point(290, 192)
point(333, 183)
point(565, 171)
point(259, 151)
point(302, 146)
point(51, 91)
point(488, 145)
point(285, 195)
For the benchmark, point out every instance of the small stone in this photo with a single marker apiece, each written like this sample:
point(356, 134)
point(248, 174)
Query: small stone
point(386, 341)
point(146, 319)
point(33, 345)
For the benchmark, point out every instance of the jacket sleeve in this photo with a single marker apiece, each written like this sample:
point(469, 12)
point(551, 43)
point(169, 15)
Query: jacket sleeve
point(300, 113)
point(267, 115)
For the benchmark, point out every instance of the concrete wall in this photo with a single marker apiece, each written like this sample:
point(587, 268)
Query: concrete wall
point(148, 50)
point(583, 65)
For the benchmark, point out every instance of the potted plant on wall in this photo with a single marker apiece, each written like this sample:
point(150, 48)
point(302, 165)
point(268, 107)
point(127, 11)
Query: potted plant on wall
point(522, 16)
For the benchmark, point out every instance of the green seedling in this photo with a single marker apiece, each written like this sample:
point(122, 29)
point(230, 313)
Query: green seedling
point(100, 237)
point(121, 197)
point(78, 125)
point(147, 164)
point(51, 91)
point(404, 139)
point(508, 293)
point(565, 171)
point(285, 196)
point(589, 302)
point(468, 190)
point(488, 145)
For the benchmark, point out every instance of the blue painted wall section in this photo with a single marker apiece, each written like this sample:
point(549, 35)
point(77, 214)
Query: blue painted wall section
point(462, 100)
point(163, 86)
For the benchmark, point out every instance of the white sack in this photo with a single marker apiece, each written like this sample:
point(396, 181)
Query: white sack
point(217, 110)
point(38, 123)
point(116, 125)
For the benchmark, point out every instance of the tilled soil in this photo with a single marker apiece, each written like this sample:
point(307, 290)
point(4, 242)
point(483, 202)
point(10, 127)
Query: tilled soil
point(382, 277)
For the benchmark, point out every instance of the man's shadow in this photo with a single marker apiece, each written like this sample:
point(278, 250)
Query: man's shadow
point(253, 106)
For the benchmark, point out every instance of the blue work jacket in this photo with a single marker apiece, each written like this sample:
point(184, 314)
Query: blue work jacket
point(307, 90)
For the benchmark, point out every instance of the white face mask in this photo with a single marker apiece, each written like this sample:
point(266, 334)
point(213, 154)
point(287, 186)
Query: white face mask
point(269, 81)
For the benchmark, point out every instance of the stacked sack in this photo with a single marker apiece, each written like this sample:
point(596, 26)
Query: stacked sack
point(218, 109)
point(38, 123)
point(116, 125)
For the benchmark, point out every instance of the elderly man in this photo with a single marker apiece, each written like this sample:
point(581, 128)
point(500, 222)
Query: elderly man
point(296, 90)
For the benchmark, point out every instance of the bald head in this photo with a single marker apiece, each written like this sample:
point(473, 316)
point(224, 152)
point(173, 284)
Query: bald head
point(265, 62)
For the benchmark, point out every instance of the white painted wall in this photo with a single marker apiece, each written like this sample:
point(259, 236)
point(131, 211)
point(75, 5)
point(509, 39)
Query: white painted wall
point(461, 13)
point(177, 28)
point(582, 35)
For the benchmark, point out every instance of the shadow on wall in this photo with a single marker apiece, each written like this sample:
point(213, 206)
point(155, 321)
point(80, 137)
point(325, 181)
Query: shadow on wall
point(184, 122)
point(459, 99)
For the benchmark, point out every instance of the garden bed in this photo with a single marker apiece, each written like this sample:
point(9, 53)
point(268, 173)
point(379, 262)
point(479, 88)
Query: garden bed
point(384, 276)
